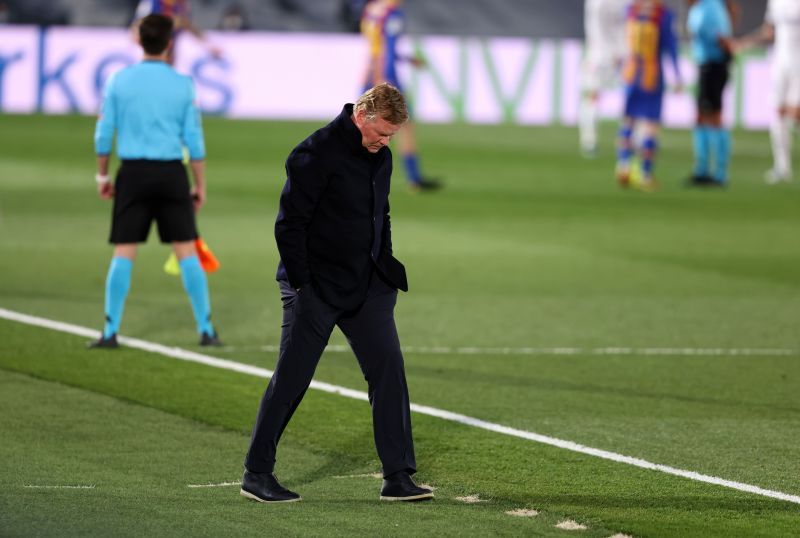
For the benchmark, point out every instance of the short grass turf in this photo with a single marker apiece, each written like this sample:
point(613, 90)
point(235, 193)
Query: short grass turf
point(528, 246)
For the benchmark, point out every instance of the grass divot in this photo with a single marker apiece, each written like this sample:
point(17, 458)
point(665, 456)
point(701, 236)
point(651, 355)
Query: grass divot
point(523, 512)
point(470, 499)
point(570, 525)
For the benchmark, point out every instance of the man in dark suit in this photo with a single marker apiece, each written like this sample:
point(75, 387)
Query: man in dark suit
point(337, 268)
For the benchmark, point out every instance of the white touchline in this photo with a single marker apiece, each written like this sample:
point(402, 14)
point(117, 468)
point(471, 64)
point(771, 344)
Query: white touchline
point(32, 486)
point(650, 351)
point(220, 485)
point(191, 356)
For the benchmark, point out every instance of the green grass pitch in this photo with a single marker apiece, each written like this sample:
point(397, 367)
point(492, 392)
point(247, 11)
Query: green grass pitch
point(528, 246)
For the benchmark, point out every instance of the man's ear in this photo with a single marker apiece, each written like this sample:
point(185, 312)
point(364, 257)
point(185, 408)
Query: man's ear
point(360, 117)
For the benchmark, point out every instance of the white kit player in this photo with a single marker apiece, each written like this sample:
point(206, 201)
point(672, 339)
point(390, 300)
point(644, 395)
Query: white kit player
point(605, 46)
point(782, 25)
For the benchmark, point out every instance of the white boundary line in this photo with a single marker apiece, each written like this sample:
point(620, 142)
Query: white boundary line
point(32, 486)
point(191, 356)
point(220, 485)
point(648, 351)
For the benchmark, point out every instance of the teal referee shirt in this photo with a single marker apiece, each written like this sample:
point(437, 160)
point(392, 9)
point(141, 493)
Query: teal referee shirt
point(153, 112)
point(708, 21)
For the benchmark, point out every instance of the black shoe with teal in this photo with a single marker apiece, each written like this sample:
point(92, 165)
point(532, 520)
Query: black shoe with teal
point(401, 487)
point(104, 342)
point(210, 339)
point(265, 488)
point(702, 180)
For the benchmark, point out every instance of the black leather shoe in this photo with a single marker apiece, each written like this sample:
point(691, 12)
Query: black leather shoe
point(702, 181)
point(425, 185)
point(265, 488)
point(104, 342)
point(207, 339)
point(400, 487)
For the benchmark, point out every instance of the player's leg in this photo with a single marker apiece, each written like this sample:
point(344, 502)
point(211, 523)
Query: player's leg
point(701, 143)
point(720, 142)
point(307, 325)
point(587, 123)
point(791, 118)
point(795, 113)
point(720, 137)
point(701, 135)
point(597, 72)
point(625, 150)
point(130, 224)
point(118, 282)
point(175, 217)
point(649, 113)
point(407, 142)
point(372, 334)
point(780, 129)
point(195, 283)
point(648, 153)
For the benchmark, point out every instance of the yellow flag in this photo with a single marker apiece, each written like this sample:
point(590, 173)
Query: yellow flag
point(172, 267)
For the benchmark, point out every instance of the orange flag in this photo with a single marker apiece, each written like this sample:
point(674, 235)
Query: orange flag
point(208, 261)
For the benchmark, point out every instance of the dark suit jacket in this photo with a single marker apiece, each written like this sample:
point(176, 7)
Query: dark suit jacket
point(333, 226)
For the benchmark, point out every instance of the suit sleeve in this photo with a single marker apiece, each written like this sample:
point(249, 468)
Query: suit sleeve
point(305, 183)
point(386, 233)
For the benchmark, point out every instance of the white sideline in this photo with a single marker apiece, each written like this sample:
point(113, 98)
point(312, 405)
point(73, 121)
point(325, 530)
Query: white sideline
point(191, 356)
point(650, 351)
point(220, 485)
point(32, 486)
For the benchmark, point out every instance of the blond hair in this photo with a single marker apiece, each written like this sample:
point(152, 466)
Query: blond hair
point(383, 100)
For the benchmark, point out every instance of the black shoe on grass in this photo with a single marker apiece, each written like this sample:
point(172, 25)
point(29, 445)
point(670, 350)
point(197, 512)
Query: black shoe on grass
point(425, 185)
point(104, 342)
point(401, 487)
point(265, 488)
point(701, 181)
point(210, 340)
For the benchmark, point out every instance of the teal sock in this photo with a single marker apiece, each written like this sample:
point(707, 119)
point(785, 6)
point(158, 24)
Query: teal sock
point(702, 146)
point(196, 286)
point(721, 139)
point(118, 282)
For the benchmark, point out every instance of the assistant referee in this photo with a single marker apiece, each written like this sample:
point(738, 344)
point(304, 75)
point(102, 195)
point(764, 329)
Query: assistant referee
point(152, 110)
point(710, 27)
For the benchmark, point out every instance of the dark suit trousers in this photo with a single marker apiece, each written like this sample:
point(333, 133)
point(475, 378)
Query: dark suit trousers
point(307, 325)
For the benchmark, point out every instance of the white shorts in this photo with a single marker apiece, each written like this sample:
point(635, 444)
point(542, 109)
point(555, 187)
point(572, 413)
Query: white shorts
point(786, 85)
point(600, 73)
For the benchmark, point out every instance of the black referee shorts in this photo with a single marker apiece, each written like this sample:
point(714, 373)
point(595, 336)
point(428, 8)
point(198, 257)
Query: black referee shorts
point(152, 190)
point(711, 84)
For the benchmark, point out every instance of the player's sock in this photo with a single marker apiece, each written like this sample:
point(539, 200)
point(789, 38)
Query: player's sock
point(411, 163)
point(721, 140)
point(781, 134)
point(790, 125)
point(118, 282)
point(196, 286)
point(588, 124)
point(649, 149)
point(702, 146)
point(624, 145)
